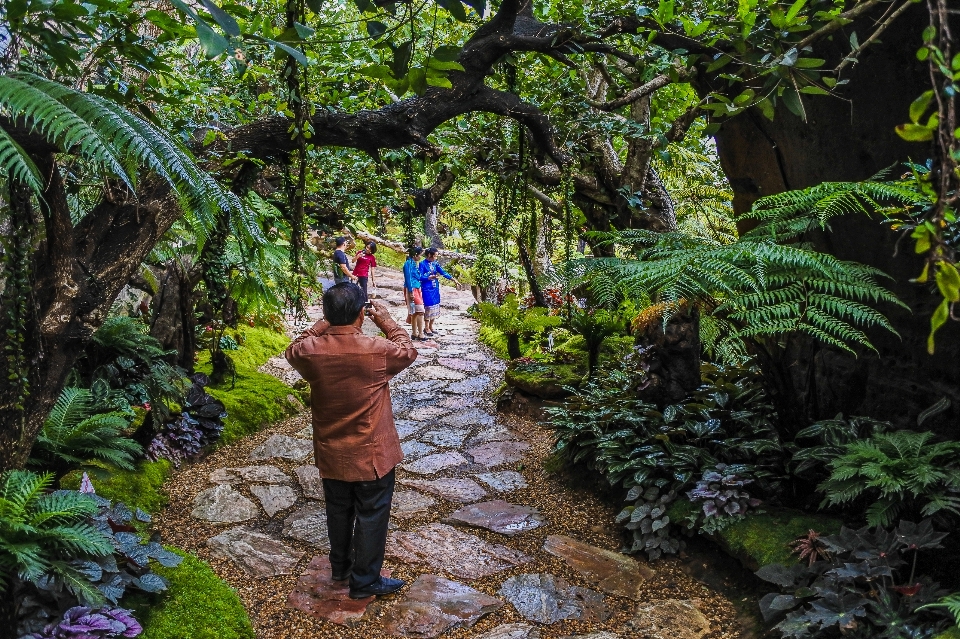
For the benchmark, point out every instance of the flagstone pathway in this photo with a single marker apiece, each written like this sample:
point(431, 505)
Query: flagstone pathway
point(490, 544)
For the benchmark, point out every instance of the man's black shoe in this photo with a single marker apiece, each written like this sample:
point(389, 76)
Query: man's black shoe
point(337, 577)
point(383, 586)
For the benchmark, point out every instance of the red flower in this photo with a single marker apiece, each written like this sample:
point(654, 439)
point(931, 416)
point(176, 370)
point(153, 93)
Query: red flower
point(146, 406)
point(908, 591)
point(208, 328)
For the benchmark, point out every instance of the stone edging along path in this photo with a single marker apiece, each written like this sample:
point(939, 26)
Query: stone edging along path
point(491, 545)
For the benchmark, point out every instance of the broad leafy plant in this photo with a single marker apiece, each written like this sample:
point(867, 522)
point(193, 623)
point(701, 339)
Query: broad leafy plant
point(636, 446)
point(595, 325)
point(85, 426)
point(722, 496)
point(90, 623)
point(861, 589)
point(902, 472)
point(823, 441)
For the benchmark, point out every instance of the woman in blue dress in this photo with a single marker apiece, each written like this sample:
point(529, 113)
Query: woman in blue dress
point(430, 273)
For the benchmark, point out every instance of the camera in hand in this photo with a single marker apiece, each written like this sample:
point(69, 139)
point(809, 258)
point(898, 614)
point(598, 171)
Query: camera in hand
point(367, 308)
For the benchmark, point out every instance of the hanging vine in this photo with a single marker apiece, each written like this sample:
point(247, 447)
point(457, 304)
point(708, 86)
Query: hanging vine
point(15, 302)
point(300, 132)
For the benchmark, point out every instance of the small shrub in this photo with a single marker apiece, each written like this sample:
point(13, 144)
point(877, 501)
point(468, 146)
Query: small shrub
point(723, 497)
point(83, 622)
point(861, 590)
point(200, 424)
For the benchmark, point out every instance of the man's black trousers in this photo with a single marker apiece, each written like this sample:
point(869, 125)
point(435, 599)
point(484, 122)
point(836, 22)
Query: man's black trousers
point(357, 516)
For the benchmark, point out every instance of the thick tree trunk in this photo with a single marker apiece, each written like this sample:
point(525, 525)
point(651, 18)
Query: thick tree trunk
point(672, 357)
point(173, 321)
point(430, 226)
point(853, 139)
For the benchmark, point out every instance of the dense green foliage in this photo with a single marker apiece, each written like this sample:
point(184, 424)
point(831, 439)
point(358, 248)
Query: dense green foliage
point(141, 487)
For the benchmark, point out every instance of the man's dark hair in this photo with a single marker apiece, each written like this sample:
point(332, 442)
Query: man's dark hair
point(340, 241)
point(372, 247)
point(342, 303)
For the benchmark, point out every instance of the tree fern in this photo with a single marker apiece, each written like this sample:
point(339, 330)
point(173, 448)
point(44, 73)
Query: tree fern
point(952, 605)
point(763, 284)
point(106, 134)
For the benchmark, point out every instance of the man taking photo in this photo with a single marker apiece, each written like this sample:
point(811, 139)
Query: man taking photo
point(355, 440)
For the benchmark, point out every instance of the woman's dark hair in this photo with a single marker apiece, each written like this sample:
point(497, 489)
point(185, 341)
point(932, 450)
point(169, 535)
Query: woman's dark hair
point(342, 303)
point(430, 252)
point(414, 251)
point(372, 247)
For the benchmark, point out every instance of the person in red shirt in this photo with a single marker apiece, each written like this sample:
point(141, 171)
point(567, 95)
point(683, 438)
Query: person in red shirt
point(364, 264)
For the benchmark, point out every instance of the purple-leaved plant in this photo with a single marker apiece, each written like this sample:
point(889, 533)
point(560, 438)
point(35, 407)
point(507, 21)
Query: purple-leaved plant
point(722, 494)
point(81, 622)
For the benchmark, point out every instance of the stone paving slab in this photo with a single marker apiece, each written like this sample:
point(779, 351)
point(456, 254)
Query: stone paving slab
point(451, 489)
point(414, 449)
point(459, 364)
point(495, 434)
point(258, 554)
point(469, 417)
point(284, 447)
point(446, 437)
point(427, 413)
point(310, 483)
point(408, 503)
point(503, 481)
point(612, 572)
point(440, 372)
point(433, 605)
point(468, 386)
point(223, 504)
point(668, 619)
point(498, 453)
point(262, 474)
point(462, 401)
point(408, 427)
point(318, 595)
point(547, 599)
point(308, 524)
point(432, 464)
point(419, 387)
point(460, 554)
point(274, 498)
point(512, 631)
point(498, 516)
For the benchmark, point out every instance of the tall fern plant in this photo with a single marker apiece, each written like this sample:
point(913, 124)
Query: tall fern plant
point(106, 134)
point(766, 283)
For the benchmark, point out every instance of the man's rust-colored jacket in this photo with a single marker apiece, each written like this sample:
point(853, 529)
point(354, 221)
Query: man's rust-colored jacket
point(354, 436)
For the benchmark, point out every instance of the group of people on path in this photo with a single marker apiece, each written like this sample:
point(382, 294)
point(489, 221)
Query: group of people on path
point(421, 282)
point(421, 290)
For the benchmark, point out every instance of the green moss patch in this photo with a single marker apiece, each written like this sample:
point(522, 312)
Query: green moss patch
point(952, 633)
point(198, 605)
point(763, 538)
point(544, 380)
point(254, 400)
point(138, 488)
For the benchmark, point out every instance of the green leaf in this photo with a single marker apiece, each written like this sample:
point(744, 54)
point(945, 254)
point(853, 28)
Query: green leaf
point(365, 5)
point(938, 319)
point(919, 106)
point(439, 81)
point(294, 53)
point(445, 66)
point(809, 63)
point(377, 71)
point(303, 30)
point(315, 5)
point(480, 6)
point(376, 29)
point(720, 62)
point(447, 53)
point(791, 99)
point(794, 10)
point(766, 108)
point(813, 89)
point(948, 281)
point(213, 43)
point(224, 19)
point(455, 7)
point(914, 132)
